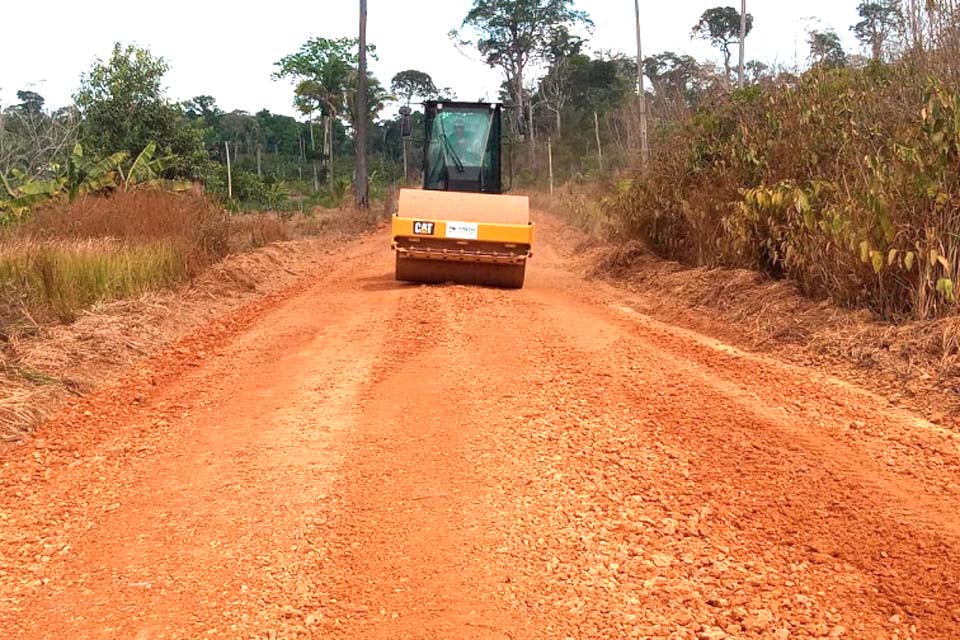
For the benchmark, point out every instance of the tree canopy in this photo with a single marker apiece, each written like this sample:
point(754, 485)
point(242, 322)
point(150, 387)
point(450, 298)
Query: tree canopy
point(323, 69)
point(879, 20)
point(720, 27)
point(826, 50)
point(512, 34)
point(411, 84)
point(123, 108)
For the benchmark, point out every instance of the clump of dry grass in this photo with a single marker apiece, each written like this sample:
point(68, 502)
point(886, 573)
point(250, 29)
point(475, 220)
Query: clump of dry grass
point(71, 256)
point(63, 277)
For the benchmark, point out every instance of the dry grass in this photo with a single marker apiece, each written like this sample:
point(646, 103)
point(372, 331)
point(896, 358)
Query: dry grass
point(129, 273)
point(42, 365)
point(70, 257)
point(60, 278)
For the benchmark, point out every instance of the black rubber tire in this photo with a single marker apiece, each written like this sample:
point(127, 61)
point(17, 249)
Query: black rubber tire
point(504, 276)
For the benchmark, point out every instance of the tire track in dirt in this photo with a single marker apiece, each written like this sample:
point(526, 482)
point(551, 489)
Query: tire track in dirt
point(414, 530)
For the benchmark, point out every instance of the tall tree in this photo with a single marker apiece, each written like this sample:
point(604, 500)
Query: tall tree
point(123, 108)
point(879, 20)
point(826, 50)
point(720, 27)
point(672, 76)
point(513, 34)
point(411, 84)
point(30, 101)
point(743, 44)
point(362, 186)
point(33, 141)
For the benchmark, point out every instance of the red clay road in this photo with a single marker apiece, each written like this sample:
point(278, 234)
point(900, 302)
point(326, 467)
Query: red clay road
point(356, 458)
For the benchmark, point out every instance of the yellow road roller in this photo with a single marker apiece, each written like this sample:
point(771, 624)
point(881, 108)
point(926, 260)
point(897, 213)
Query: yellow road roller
point(461, 227)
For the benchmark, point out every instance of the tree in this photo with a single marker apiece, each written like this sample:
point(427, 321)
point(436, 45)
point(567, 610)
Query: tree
point(672, 75)
point(411, 84)
point(281, 134)
point(361, 114)
point(324, 70)
point(513, 34)
point(123, 108)
point(826, 50)
point(241, 129)
point(555, 90)
point(33, 142)
point(30, 102)
point(720, 27)
point(203, 108)
point(880, 19)
point(741, 66)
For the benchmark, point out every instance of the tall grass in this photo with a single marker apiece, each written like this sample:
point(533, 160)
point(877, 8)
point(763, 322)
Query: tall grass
point(69, 257)
point(64, 277)
point(846, 181)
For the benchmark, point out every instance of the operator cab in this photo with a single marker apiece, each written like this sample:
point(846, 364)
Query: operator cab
point(463, 147)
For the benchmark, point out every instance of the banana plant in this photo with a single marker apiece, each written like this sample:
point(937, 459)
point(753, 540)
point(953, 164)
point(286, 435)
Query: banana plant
point(146, 171)
point(17, 201)
point(85, 175)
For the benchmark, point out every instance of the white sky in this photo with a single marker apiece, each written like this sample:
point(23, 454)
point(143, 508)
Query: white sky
point(227, 50)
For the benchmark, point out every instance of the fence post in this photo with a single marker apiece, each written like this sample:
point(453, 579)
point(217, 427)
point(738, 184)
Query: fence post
point(550, 162)
point(229, 173)
point(596, 130)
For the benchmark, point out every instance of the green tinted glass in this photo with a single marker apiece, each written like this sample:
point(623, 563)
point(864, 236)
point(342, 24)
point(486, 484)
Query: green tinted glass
point(466, 132)
point(463, 148)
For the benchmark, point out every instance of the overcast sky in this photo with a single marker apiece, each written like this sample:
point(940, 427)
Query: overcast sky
point(227, 50)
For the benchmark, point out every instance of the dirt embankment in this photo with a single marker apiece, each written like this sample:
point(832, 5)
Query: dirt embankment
point(44, 365)
point(912, 364)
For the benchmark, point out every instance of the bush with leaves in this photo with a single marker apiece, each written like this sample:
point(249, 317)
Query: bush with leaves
point(847, 183)
point(123, 108)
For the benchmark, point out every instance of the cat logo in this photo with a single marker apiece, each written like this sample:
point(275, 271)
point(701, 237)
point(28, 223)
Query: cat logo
point(423, 228)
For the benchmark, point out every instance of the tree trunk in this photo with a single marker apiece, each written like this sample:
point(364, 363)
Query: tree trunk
point(533, 137)
point(518, 94)
point(362, 186)
point(328, 142)
point(743, 38)
point(642, 93)
point(550, 163)
point(259, 162)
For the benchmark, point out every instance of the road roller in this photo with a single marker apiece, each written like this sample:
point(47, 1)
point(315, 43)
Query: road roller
point(462, 227)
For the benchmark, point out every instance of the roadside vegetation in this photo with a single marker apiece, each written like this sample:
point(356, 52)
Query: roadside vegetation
point(839, 174)
point(843, 178)
point(69, 256)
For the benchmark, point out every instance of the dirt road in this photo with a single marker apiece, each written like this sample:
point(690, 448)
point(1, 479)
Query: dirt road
point(353, 458)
